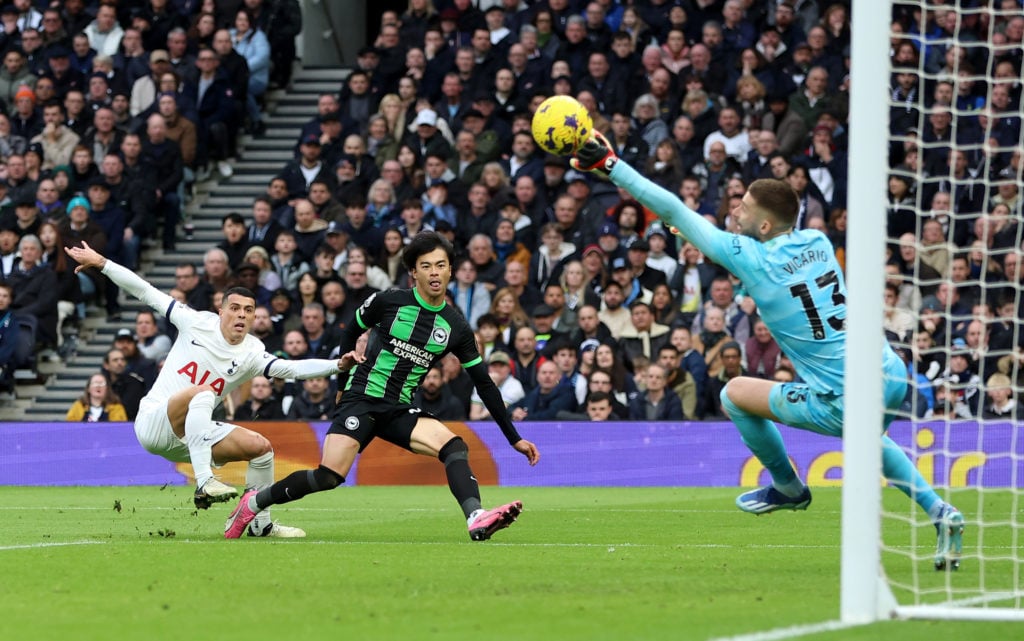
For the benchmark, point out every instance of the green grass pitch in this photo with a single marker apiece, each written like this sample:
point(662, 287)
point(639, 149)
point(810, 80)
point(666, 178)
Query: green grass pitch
point(396, 563)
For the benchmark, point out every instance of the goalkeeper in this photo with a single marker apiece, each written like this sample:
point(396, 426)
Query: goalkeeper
point(799, 289)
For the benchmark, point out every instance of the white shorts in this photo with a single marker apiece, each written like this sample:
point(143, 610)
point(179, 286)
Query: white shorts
point(154, 431)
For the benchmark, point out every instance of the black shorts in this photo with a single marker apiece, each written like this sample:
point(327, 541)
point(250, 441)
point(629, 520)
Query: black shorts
point(364, 419)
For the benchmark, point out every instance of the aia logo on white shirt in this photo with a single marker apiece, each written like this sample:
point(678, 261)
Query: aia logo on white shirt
point(191, 371)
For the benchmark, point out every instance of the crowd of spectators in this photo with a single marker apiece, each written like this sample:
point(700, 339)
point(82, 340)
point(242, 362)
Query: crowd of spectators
point(109, 112)
point(585, 306)
point(953, 299)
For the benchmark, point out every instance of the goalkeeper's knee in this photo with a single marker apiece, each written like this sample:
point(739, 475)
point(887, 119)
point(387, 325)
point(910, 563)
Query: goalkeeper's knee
point(731, 409)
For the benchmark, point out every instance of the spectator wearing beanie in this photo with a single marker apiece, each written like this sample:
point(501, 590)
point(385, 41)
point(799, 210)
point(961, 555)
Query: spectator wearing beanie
point(25, 120)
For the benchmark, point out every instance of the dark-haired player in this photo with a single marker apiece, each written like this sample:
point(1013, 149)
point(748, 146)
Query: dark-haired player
point(800, 293)
point(412, 329)
point(213, 354)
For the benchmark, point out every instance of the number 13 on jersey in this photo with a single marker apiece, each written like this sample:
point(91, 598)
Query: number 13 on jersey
point(803, 292)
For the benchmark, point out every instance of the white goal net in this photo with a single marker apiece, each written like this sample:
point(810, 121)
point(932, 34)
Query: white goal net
point(952, 172)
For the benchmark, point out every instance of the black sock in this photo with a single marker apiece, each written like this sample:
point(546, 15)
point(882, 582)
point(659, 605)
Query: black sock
point(297, 485)
point(455, 456)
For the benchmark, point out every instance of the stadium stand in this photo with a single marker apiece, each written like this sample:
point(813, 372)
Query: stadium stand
point(704, 101)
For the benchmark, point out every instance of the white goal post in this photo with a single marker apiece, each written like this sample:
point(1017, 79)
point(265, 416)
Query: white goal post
point(860, 587)
point(866, 593)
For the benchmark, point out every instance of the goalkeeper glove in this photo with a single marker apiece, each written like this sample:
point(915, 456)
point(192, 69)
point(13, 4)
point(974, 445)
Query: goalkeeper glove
point(596, 155)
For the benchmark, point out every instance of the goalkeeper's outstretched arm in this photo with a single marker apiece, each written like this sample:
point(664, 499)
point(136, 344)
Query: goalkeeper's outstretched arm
point(597, 156)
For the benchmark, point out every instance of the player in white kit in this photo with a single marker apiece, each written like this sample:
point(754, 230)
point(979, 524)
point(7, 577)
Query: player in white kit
point(213, 354)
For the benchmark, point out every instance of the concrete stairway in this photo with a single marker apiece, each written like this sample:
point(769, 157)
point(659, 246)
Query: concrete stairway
point(259, 159)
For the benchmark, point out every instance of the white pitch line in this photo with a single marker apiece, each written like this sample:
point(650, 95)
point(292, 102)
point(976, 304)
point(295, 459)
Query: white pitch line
point(611, 547)
point(685, 546)
point(792, 632)
point(32, 546)
point(382, 510)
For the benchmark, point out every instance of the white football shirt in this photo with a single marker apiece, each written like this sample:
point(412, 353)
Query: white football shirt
point(201, 355)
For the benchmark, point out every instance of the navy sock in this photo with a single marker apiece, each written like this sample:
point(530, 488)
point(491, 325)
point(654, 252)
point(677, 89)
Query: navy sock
point(297, 485)
point(455, 456)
